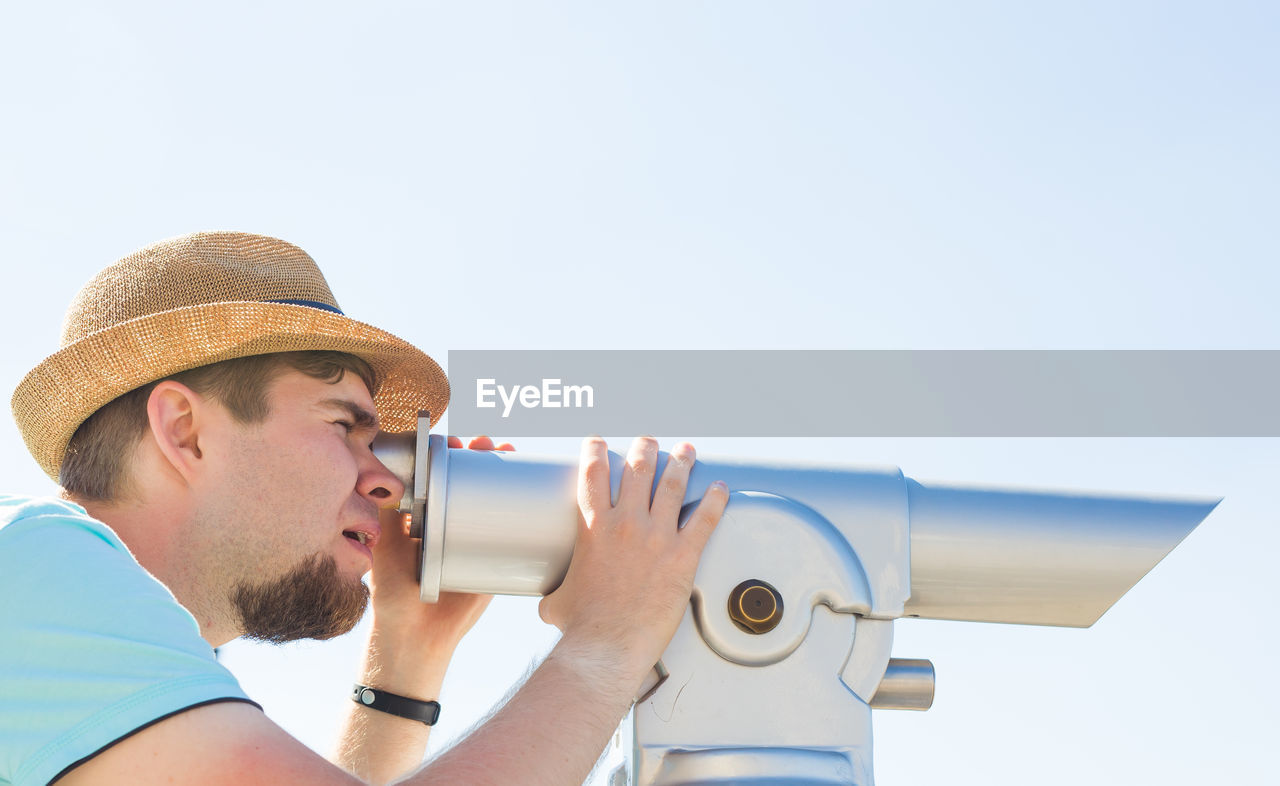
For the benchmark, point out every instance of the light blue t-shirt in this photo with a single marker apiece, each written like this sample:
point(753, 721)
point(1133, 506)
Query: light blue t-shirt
point(92, 647)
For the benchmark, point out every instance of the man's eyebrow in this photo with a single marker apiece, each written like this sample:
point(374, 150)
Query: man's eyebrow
point(360, 417)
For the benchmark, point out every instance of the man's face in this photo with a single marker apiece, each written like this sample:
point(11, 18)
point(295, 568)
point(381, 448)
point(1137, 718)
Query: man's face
point(293, 501)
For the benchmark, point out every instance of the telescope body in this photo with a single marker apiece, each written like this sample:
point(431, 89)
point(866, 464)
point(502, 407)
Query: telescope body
point(979, 554)
point(785, 647)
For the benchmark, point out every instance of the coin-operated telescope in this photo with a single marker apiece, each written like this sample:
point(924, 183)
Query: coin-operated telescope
point(785, 648)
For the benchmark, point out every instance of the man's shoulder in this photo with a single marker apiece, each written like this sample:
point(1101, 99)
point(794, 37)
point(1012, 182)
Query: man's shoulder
point(21, 507)
point(94, 647)
point(21, 514)
point(57, 546)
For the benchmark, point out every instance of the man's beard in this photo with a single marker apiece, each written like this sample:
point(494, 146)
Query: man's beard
point(312, 601)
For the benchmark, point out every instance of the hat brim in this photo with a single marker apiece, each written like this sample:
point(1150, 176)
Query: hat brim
point(70, 385)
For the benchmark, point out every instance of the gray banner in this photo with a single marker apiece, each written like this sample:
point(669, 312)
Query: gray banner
point(866, 393)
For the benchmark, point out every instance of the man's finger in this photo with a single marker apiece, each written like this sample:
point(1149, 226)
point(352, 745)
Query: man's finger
point(637, 475)
point(593, 476)
point(393, 528)
point(669, 497)
point(706, 516)
point(481, 442)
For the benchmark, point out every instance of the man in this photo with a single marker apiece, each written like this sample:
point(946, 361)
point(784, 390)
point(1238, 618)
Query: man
point(209, 417)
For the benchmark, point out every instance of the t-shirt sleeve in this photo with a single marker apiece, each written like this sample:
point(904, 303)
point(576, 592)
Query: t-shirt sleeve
point(92, 647)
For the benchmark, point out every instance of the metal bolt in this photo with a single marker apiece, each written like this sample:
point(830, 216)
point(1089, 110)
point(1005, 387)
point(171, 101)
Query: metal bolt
point(755, 606)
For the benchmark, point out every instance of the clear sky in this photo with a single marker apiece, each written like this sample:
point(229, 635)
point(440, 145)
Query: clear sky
point(922, 175)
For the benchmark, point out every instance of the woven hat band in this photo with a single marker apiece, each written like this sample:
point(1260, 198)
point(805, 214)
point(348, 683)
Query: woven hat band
point(308, 304)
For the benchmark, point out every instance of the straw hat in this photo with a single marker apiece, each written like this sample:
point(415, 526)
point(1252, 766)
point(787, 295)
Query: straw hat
point(200, 299)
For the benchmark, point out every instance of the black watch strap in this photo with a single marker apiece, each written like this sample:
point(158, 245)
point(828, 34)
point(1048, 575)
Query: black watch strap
point(401, 706)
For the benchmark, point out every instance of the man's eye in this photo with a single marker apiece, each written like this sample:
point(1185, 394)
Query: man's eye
point(345, 424)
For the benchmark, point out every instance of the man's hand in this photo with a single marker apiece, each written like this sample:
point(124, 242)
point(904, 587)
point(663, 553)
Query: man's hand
point(394, 588)
point(632, 570)
point(410, 646)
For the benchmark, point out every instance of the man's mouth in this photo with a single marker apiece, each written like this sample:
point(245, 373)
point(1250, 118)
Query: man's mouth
point(366, 534)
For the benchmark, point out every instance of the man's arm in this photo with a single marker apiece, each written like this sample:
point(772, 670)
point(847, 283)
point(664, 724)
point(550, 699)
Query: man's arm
point(410, 646)
point(407, 655)
point(552, 730)
point(215, 745)
point(380, 747)
point(627, 587)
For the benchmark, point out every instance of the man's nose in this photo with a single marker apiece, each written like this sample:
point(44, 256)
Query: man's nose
point(379, 484)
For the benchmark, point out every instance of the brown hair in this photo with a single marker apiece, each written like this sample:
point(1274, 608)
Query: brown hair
point(96, 463)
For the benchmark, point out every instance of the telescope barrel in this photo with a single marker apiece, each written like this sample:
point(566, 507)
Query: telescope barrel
point(510, 523)
point(1030, 557)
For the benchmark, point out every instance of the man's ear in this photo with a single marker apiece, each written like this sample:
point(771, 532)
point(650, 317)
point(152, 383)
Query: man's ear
point(175, 415)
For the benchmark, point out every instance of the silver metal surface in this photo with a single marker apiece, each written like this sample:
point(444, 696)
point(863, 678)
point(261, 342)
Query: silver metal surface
point(989, 555)
point(747, 724)
point(511, 519)
point(434, 465)
point(1041, 558)
point(757, 767)
point(510, 523)
point(421, 477)
point(907, 685)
